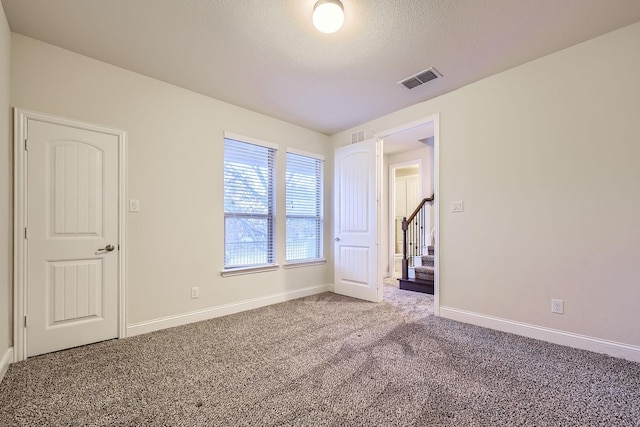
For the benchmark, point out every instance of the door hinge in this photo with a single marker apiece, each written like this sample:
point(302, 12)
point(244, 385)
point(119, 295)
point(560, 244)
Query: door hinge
point(26, 144)
point(26, 234)
point(25, 320)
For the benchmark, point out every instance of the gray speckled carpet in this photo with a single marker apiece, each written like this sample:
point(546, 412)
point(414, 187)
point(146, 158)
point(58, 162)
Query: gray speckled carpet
point(324, 360)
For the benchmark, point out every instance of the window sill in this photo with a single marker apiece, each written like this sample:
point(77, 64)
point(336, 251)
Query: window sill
point(248, 270)
point(305, 263)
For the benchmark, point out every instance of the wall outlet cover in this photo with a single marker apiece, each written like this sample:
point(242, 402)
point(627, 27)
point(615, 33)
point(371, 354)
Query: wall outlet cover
point(557, 306)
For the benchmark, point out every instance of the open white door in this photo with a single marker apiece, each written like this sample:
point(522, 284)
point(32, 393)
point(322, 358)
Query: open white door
point(356, 228)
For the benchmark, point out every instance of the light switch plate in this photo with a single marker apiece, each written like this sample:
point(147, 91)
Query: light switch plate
point(457, 206)
point(134, 205)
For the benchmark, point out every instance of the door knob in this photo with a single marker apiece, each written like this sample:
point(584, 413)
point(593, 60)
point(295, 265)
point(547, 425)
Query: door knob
point(337, 239)
point(107, 248)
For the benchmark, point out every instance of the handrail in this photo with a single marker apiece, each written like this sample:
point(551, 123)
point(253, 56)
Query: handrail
point(415, 212)
point(405, 227)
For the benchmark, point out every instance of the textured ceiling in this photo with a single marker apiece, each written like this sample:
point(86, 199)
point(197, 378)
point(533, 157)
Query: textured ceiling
point(265, 55)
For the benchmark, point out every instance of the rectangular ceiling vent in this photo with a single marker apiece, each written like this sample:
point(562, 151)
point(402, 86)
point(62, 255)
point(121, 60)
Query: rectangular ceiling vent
point(421, 78)
point(361, 135)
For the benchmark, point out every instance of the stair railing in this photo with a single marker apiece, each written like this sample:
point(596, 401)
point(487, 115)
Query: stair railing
point(413, 234)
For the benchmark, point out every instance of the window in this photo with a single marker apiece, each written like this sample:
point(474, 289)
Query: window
point(304, 207)
point(248, 204)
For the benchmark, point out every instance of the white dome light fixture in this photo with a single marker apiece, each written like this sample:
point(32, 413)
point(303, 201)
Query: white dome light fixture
point(328, 16)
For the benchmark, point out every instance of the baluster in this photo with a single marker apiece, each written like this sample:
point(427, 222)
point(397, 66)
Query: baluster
point(411, 241)
point(422, 239)
point(413, 249)
point(419, 231)
point(416, 231)
point(405, 262)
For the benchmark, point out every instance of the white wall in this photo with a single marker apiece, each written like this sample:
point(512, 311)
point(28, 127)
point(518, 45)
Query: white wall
point(6, 203)
point(546, 158)
point(174, 167)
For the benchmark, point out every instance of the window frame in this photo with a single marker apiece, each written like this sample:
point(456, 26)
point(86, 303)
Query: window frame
point(318, 217)
point(270, 216)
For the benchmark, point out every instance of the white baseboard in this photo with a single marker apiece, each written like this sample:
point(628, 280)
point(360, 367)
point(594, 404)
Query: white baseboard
point(6, 360)
point(584, 342)
point(221, 310)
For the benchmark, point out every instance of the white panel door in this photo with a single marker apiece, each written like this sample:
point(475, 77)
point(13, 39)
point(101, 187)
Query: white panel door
point(401, 198)
point(356, 221)
point(72, 237)
point(413, 198)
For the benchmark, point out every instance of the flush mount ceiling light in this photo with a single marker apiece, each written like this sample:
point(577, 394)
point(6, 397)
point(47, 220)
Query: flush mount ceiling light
point(328, 16)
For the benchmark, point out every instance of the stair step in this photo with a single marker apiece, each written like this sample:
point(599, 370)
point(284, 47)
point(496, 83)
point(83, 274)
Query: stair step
point(427, 277)
point(417, 285)
point(422, 268)
point(425, 273)
point(428, 260)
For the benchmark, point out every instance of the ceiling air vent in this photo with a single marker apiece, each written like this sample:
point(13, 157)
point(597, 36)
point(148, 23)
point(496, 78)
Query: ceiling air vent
point(420, 78)
point(360, 136)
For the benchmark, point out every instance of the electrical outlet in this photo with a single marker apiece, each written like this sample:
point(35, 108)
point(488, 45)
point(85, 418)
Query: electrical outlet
point(195, 292)
point(557, 306)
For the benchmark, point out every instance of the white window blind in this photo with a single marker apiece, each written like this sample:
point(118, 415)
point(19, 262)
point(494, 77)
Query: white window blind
point(304, 186)
point(248, 204)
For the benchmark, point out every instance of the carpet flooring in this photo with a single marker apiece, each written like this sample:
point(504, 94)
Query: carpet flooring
point(324, 360)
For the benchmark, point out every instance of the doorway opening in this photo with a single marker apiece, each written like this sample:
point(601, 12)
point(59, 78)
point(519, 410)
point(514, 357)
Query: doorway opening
point(410, 175)
point(405, 193)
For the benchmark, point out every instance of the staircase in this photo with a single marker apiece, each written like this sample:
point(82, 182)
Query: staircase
point(420, 275)
point(424, 274)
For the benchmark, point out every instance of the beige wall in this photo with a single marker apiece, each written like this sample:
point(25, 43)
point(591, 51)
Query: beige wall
point(174, 167)
point(6, 182)
point(546, 158)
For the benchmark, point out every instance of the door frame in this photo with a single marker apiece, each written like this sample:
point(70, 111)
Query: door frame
point(20, 121)
point(435, 119)
point(392, 205)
